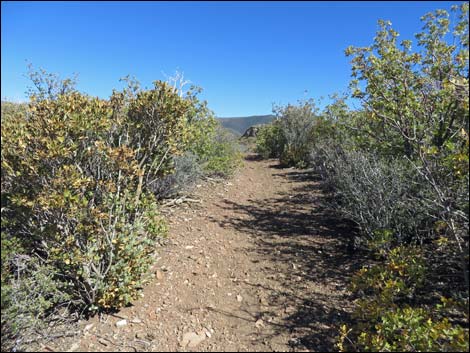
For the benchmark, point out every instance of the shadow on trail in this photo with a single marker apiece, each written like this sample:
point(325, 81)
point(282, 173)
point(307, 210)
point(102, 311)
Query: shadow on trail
point(253, 157)
point(305, 247)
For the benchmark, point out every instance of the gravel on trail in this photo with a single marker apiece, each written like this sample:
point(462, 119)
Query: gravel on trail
point(259, 265)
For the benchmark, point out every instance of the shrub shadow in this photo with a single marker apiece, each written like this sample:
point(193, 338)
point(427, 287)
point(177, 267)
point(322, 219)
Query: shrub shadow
point(309, 244)
point(253, 157)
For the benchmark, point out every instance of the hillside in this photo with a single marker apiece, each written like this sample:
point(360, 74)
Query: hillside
point(240, 124)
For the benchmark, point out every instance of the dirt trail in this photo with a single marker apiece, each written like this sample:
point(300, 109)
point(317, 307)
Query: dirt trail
point(259, 265)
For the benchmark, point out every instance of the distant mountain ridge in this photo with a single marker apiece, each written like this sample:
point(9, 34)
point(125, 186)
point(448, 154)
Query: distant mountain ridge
point(240, 124)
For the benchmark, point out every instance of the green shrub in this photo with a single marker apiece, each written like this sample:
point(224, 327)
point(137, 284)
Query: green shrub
point(9, 109)
point(402, 175)
point(297, 123)
point(122, 254)
point(223, 156)
point(291, 136)
point(270, 141)
point(31, 300)
point(407, 330)
point(71, 188)
point(156, 129)
point(77, 196)
point(217, 151)
point(385, 320)
point(80, 181)
point(401, 273)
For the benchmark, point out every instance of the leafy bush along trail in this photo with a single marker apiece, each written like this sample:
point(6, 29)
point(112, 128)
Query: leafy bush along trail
point(251, 267)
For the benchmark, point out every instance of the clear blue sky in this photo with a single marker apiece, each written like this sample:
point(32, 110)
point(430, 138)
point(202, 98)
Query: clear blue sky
point(245, 55)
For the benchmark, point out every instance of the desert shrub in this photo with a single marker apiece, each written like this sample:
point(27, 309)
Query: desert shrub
point(122, 254)
point(398, 276)
point(9, 108)
point(193, 147)
point(223, 156)
point(202, 126)
point(406, 330)
point(80, 181)
point(270, 141)
point(156, 128)
point(216, 149)
point(392, 203)
point(289, 137)
point(77, 178)
point(387, 317)
point(32, 298)
point(414, 329)
point(413, 134)
point(72, 191)
point(248, 144)
point(215, 154)
point(47, 85)
point(296, 123)
point(386, 198)
point(417, 102)
point(187, 171)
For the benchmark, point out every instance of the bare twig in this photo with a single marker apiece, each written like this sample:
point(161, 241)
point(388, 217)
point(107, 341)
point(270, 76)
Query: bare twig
point(180, 200)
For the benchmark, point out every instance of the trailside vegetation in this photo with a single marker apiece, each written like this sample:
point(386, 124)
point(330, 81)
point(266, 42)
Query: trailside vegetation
point(81, 177)
point(398, 168)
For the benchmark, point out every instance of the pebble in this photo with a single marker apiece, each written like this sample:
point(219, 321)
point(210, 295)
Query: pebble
point(259, 323)
point(192, 339)
point(121, 323)
point(74, 347)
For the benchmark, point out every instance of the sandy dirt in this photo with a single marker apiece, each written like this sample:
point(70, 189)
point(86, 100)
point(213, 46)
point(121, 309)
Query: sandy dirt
point(259, 265)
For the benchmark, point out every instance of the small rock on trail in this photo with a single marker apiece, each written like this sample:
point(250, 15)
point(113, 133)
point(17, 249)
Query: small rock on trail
point(192, 339)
